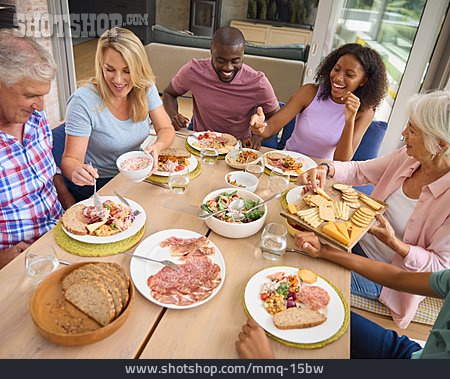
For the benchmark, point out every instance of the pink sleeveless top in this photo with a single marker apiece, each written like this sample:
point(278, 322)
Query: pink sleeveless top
point(318, 128)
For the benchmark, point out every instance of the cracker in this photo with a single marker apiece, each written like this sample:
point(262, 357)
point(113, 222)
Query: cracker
point(370, 202)
point(307, 276)
point(367, 211)
point(322, 193)
point(326, 213)
point(360, 220)
point(354, 205)
point(337, 210)
point(362, 216)
point(305, 212)
point(340, 187)
point(357, 223)
point(318, 200)
point(345, 212)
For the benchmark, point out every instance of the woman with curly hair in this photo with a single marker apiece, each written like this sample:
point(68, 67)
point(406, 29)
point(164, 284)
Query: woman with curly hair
point(332, 115)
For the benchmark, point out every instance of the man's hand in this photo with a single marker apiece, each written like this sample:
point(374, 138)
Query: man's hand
point(7, 255)
point(309, 243)
point(65, 197)
point(253, 142)
point(253, 343)
point(179, 121)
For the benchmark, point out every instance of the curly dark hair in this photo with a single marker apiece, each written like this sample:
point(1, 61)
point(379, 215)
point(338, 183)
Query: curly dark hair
point(373, 92)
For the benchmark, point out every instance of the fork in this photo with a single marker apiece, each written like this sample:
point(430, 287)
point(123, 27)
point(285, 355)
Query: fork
point(163, 262)
point(123, 200)
point(97, 201)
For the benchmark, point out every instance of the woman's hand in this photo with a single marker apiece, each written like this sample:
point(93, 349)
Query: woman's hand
point(309, 243)
point(154, 151)
point(84, 175)
point(383, 230)
point(253, 343)
point(257, 122)
point(352, 104)
point(313, 178)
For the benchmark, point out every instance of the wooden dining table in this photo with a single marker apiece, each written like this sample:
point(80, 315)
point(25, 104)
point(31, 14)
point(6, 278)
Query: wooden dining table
point(155, 332)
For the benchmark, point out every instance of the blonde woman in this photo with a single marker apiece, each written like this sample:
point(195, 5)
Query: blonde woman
point(111, 114)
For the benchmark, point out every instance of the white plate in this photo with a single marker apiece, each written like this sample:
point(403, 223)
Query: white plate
point(137, 224)
point(140, 269)
point(241, 166)
point(193, 162)
point(294, 194)
point(335, 311)
point(308, 163)
point(194, 139)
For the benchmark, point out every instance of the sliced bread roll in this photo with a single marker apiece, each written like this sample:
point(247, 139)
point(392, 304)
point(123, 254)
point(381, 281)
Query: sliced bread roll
point(298, 318)
point(119, 275)
point(91, 297)
point(75, 221)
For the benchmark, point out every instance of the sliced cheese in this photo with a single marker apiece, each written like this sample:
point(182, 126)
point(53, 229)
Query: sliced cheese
point(95, 225)
point(355, 232)
point(291, 208)
point(342, 228)
point(331, 230)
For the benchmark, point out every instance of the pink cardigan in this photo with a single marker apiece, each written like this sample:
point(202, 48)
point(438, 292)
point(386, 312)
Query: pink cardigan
point(427, 231)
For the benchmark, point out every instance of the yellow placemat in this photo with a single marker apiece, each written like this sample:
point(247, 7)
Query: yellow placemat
point(165, 179)
point(95, 250)
point(320, 344)
point(197, 153)
point(291, 178)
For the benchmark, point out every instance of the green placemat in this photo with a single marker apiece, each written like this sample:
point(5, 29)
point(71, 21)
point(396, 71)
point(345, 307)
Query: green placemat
point(197, 153)
point(165, 179)
point(320, 344)
point(95, 250)
point(291, 178)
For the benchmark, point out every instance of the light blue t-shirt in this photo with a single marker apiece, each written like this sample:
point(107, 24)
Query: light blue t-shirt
point(438, 343)
point(109, 137)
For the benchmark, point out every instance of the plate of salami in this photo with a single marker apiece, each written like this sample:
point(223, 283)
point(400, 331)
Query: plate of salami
point(288, 161)
point(222, 142)
point(201, 274)
point(296, 306)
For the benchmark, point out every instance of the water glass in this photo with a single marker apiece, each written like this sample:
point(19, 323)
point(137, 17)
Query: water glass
point(255, 169)
point(279, 182)
point(209, 155)
point(40, 261)
point(179, 180)
point(273, 241)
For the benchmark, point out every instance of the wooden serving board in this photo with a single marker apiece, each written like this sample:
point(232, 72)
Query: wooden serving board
point(336, 196)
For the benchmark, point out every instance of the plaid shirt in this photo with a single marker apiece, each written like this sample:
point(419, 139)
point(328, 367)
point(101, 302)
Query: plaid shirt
point(29, 205)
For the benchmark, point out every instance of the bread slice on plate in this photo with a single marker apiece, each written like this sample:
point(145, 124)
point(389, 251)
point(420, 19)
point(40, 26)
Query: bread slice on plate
point(175, 152)
point(275, 156)
point(298, 318)
point(75, 221)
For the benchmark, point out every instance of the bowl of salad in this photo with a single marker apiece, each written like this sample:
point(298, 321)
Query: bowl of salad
point(223, 223)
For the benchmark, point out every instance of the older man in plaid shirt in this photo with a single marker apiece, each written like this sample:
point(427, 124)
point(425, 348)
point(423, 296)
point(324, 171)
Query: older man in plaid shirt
point(30, 182)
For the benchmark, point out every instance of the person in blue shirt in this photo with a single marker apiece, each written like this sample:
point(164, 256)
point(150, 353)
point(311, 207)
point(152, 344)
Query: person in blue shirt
point(367, 339)
point(112, 114)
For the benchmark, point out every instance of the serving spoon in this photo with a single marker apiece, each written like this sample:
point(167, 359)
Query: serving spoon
point(237, 216)
point(235, 206)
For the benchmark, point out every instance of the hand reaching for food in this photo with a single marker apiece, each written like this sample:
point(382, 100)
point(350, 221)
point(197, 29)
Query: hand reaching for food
point(179, 121)
point(253, 142)
point(153, 150)
point(313, 178)
point(257, 122)
point(253, 343)
point(84, 175)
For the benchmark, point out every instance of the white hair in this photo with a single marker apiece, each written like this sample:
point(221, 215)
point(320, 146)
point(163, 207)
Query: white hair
point(23, 58)
point(431, 113)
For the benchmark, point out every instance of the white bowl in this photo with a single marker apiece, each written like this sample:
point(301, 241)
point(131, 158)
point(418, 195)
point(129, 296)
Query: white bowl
point(233, 230)
point(244, 180)
point(136, 175)
point(231, 157)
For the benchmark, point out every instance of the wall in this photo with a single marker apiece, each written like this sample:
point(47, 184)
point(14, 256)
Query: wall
point(51, 102)
point(233, 10)
point(173, 14)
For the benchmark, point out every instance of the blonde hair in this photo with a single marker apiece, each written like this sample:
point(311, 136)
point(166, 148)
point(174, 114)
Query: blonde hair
point(23, 58)
point(128, 44)
point(431, 113)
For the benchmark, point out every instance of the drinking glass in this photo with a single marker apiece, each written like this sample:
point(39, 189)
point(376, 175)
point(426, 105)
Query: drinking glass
point(179, 180)
point(273, 241)
point(209, 155)
point(278, 182)
point(255, 168)
point(40, 261)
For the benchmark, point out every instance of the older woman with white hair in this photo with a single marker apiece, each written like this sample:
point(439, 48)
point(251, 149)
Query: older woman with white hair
point(414, 233)
point(111, 114)
point(29, 204)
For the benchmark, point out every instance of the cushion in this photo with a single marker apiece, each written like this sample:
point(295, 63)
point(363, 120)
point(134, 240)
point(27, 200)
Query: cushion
point(371, 141)
point(426, 313)
point(168, 36)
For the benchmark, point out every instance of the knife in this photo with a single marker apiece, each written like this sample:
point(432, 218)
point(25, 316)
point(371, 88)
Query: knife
point(165, 186)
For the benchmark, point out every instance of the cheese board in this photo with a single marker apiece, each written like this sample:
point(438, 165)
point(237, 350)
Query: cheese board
point(339, 215)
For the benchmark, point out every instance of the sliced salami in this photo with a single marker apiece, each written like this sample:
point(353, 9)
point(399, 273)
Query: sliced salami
point(314, 297)
point(187, 247)
point(194, 282)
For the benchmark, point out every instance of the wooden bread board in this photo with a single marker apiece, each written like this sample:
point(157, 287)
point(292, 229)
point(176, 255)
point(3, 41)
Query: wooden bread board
point(336, 196)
